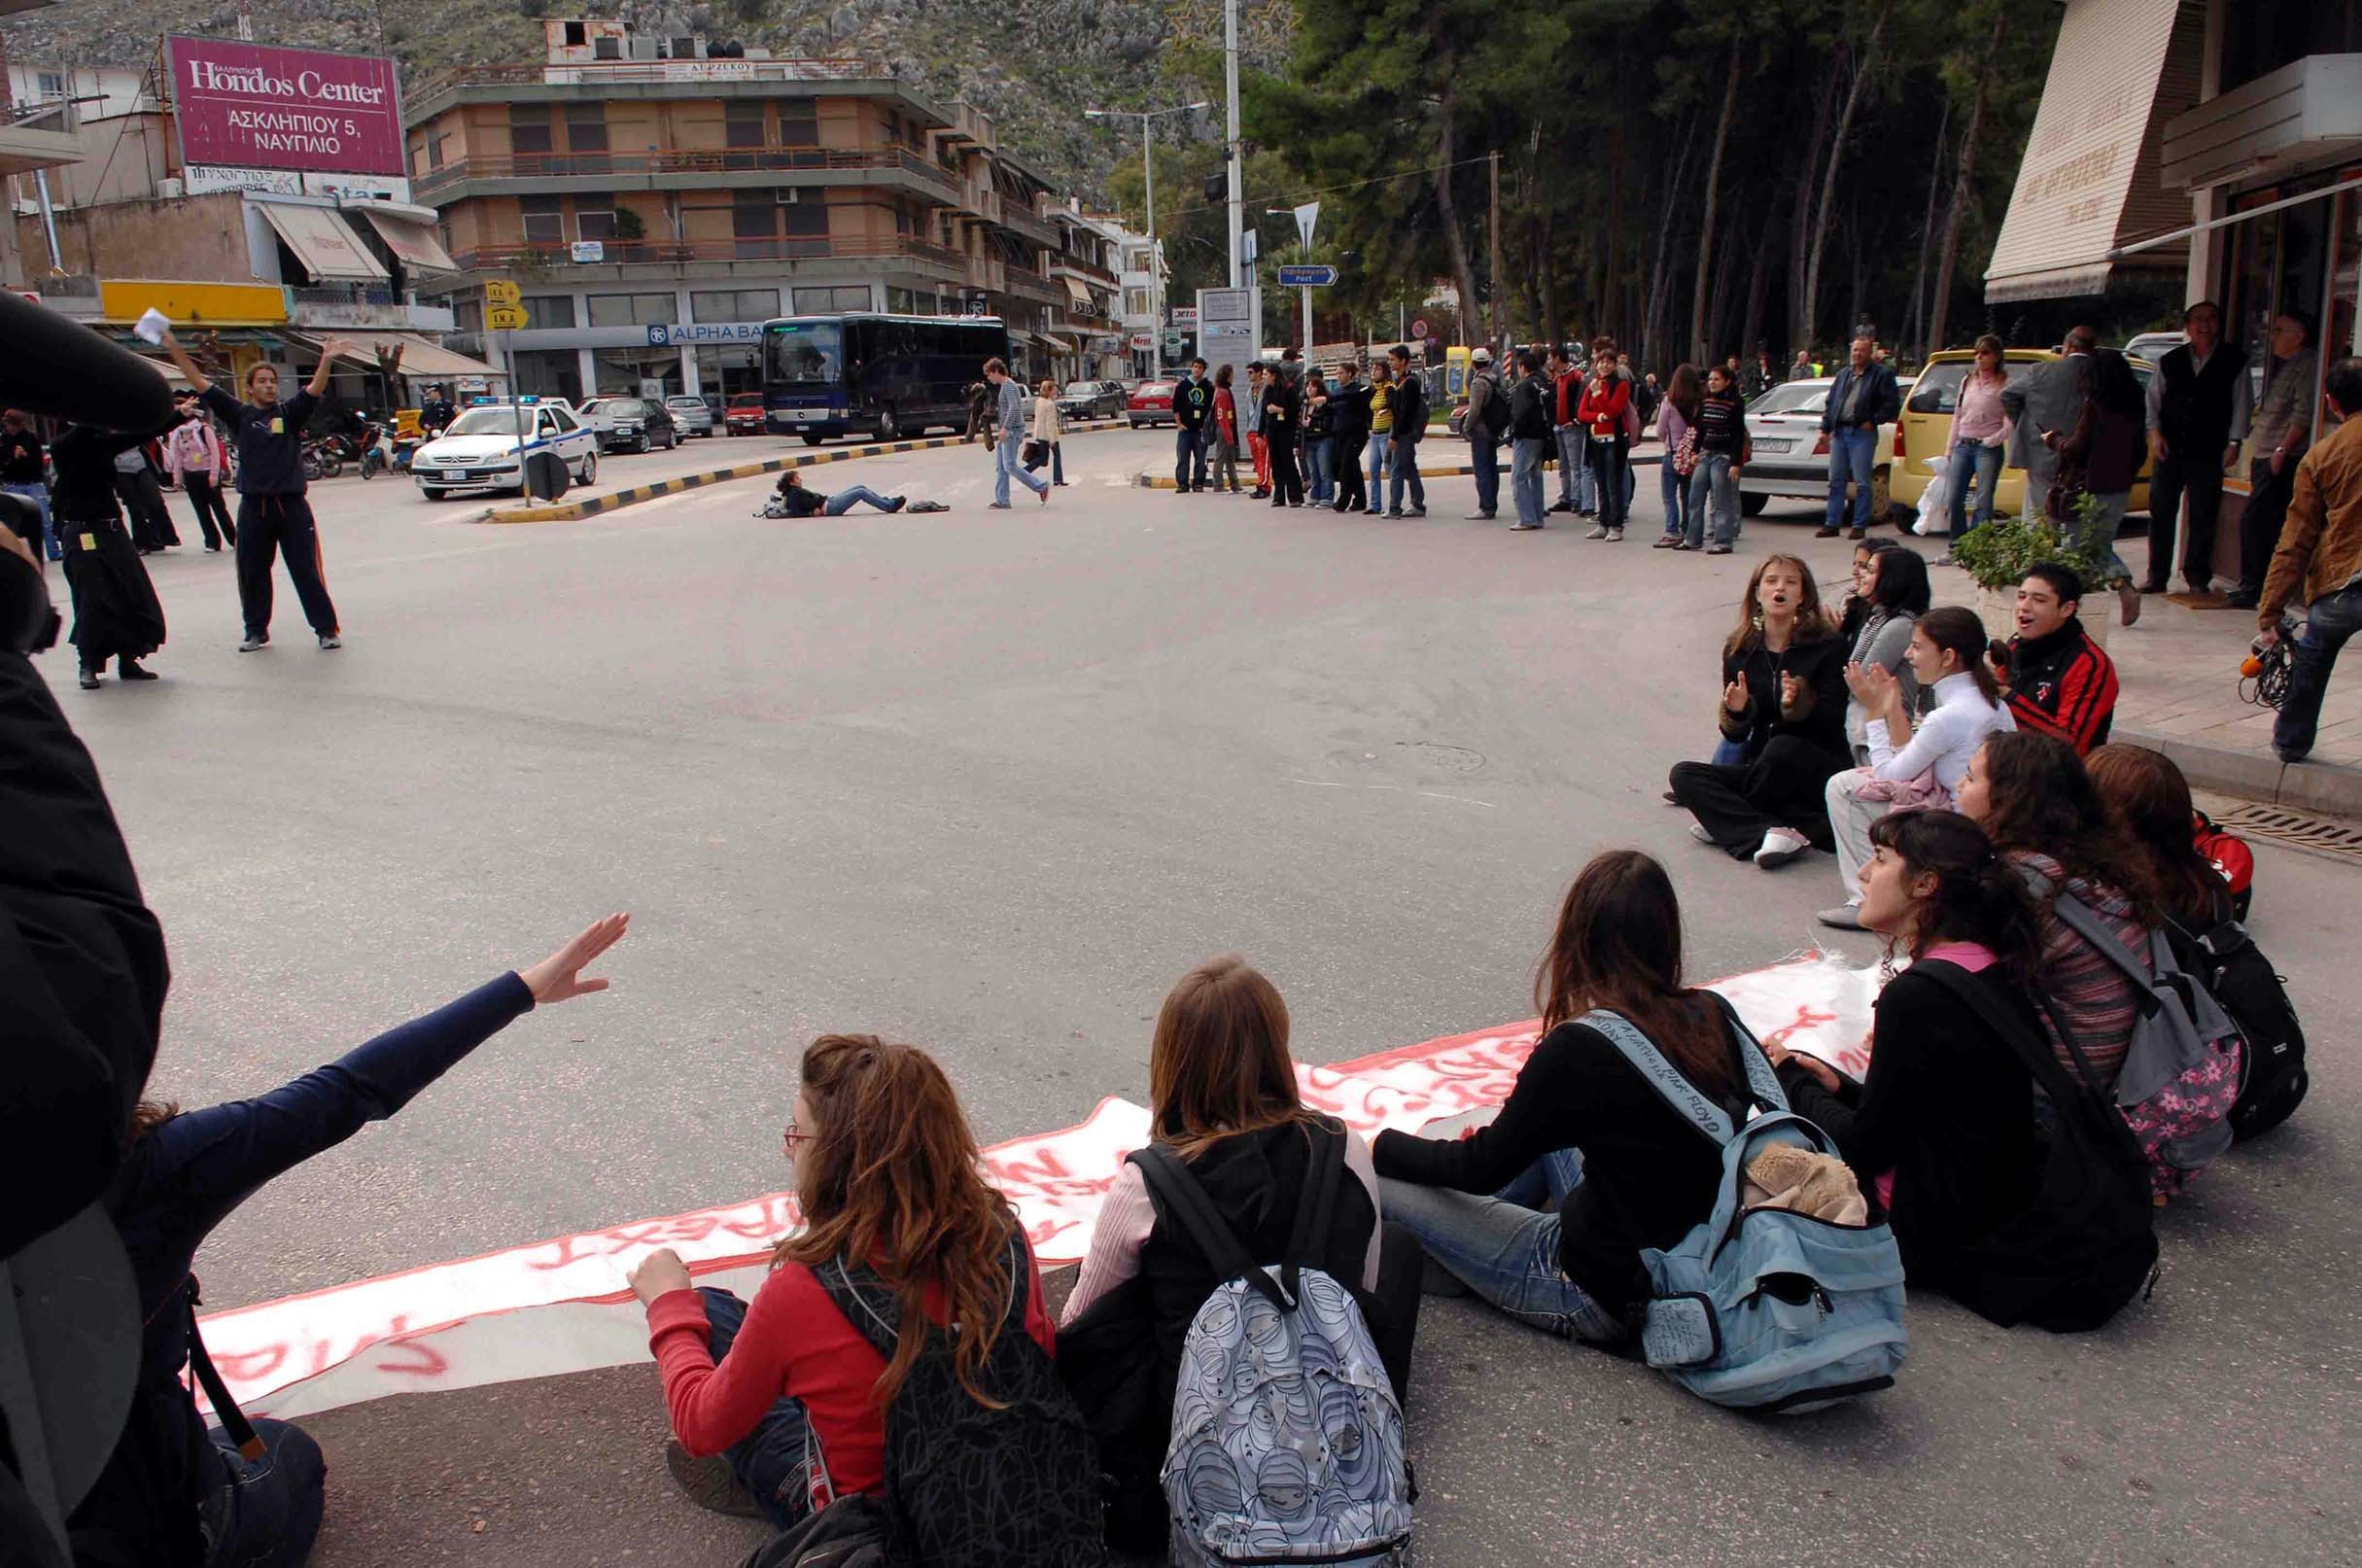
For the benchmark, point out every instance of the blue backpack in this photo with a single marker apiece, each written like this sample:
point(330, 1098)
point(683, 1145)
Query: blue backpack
point(1763, 1309)
point(1287, 1443)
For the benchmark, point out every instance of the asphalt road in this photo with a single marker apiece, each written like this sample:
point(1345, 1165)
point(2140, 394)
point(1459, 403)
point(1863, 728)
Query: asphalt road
point(990, 782)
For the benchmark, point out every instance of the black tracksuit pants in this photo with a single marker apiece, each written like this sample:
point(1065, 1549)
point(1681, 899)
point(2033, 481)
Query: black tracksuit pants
point(1287, 479)
point(267, 525)
point(213, 517)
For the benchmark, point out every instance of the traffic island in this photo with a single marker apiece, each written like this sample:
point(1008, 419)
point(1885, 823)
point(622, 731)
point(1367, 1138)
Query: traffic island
point(571, 511)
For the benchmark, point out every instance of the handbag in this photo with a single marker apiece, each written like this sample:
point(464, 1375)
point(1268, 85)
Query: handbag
point(1036, 452)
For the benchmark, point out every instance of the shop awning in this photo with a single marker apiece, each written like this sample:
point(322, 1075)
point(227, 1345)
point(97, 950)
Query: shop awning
point(2091, 179)
point(420, 357)
point(1080, 295)
point(1056, 345)
point(417, 244)
point(323, 242)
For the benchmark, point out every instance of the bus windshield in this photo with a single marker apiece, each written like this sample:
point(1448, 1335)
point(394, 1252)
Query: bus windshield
point(807, 354)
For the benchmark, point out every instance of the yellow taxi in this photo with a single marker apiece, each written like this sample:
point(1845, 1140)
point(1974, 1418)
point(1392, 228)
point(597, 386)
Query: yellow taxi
point(1925, 430)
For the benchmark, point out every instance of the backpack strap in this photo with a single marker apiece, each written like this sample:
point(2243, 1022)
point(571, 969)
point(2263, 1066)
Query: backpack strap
point(1753, 1067)
point(1170, 1182)
point(1686, 1098)
point(1315, 1203)
point(875, 1313)
point(234, 1423)
point(2081, 918)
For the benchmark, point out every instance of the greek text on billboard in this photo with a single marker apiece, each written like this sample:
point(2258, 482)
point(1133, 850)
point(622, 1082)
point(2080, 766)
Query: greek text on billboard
point(250, 106)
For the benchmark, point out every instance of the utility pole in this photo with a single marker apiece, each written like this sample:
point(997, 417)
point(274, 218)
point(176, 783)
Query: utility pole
point(1233, 156)
point(1155, 271)
point(1492, 264)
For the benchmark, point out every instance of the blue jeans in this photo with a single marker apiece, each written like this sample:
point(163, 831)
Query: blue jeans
point(1679, 496)
point(1320, 477)
point(1484, 456)
point(1574, 477)
point(1711, 480)
point(838, 505)
point(770, 1460)
point(1505, 1247)
point(1730, 753)
point(1985, 462)
point(2328, 624)
point(1189, 446)
point(1607, 468)
point(39, 496)
point(1852, 453)
point(1006, 467)
point(1374, 458)
point(1525, 477)
point(1402, 469)
point(263, 1513)
point(1058, 462)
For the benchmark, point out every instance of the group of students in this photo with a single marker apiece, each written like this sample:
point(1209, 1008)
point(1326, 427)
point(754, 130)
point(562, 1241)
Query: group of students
point(1341, 439)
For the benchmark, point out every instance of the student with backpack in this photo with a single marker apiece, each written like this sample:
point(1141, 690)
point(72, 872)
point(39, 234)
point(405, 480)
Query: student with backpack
point(891, 1382)
point(2149, 795)
point(1631, 1122)
point(1241, 1176)
point(2170, 1060)
point(1943, 1126)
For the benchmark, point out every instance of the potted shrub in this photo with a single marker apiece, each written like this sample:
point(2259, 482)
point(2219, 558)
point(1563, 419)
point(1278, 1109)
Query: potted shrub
point(1997, 556)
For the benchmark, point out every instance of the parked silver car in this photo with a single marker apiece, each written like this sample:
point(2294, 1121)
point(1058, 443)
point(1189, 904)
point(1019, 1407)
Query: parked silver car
point(1790, 456)
point(692, 414)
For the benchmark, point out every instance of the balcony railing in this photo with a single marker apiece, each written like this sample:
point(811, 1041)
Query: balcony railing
point(557, 256)
point(1089, 273)
point(608, 73)
point(342, 294)
point(663, 161)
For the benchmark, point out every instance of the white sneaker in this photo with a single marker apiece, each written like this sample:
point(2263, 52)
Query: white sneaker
point(1779, 846)
point(1697, 830)
point(1601, 532)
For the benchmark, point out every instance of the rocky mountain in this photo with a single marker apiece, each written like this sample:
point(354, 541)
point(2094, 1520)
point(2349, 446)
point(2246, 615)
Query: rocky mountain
point(1034, 65)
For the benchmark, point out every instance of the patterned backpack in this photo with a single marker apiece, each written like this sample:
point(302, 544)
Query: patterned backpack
point(968, 1486)
point(1287, 1441)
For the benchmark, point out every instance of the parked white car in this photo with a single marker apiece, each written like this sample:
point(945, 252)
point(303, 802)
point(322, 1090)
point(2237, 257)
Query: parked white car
point(479, 449)
point(1790, 456)
point(692, 415)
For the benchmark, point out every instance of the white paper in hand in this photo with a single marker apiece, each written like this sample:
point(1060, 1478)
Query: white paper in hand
point(151, 325)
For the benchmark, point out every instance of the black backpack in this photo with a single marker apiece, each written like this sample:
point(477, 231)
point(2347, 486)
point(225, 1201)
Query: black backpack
point(2272, 1079)
point(2087, 1245)
point(966, 1485)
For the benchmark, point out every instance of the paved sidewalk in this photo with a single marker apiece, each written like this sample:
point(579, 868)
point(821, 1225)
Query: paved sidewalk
point(2179, 667)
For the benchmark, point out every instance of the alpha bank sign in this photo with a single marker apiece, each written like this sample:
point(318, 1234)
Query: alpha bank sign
point(661, 336)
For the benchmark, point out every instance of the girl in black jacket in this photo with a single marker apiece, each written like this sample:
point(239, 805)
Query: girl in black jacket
point(1942, 1128)
point(1545, 1211)
point(1784, 704)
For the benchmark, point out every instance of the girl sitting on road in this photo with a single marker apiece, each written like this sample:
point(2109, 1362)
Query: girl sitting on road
point(2150, 797)
point(1543, 1211)
point(1784, 704)
point(1942, 1128)
point(1890, 597)
point(887, 1173)
point(1912, 761)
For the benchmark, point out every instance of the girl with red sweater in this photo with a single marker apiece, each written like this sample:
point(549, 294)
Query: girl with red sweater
point(1606, 396)
point(778, 1407)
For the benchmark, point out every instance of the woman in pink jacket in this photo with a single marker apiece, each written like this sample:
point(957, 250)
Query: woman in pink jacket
point(199, 463)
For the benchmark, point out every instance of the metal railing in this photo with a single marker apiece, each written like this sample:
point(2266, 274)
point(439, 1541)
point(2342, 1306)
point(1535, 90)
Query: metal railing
point(667, 71)
point(342, 294)
point(663, 161)
point(558, 255)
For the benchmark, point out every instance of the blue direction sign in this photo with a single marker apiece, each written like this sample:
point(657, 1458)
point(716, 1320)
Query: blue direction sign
point(1308, 277)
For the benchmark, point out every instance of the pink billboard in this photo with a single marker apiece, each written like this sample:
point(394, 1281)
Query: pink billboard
point(249, 106)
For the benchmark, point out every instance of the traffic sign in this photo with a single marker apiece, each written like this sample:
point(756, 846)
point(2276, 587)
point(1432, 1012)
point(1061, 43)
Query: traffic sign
point(1418, 329)
point(1308, 277)
point(504, 317)
point(498, 293)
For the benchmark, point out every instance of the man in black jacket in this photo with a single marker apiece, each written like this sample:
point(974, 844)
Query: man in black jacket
point(1862, 397)
point(1348, 433)
point(1282, 421)
point(1409, 428)
point(1486, 422)
point(1530, 403)
point(1192, 420)
point(2199, 405)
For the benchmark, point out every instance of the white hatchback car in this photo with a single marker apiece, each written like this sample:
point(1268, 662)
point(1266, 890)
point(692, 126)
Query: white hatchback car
point(479, 450)
point(1790, 455)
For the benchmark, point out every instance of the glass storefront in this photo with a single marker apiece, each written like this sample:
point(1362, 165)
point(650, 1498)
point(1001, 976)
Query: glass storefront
point(627, 369)
point(729, 369)
point(549, 372)
point(2299, 261)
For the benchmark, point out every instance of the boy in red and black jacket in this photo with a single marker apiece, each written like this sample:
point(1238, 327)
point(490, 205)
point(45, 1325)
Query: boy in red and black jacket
point(2059, 681)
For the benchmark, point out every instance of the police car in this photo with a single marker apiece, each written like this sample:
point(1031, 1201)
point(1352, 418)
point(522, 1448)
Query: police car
point(479, 450)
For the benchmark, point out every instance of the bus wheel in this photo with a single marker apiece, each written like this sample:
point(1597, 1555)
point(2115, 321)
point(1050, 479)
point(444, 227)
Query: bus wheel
point(814, 437)
point(888, 427)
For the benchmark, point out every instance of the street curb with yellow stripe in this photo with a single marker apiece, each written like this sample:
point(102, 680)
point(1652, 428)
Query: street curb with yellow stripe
point(569, 512)
point(1164, 481)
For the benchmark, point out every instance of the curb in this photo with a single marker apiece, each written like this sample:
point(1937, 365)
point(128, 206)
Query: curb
point(572, 511)
point(1164, 481)
point(2259, 776)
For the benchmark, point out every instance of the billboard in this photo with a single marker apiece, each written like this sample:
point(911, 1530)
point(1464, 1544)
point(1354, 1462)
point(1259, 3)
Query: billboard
point(250, 106)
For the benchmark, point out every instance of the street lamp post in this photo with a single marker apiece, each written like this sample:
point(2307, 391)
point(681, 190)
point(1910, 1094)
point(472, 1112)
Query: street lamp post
point(1148, 185)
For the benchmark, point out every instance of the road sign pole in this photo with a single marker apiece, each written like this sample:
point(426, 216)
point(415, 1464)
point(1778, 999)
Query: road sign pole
point(516, 401)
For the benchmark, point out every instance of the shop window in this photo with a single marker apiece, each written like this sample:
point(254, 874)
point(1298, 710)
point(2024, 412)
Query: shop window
point(734, 304)
point(755, 220)
point(2262, 36)
point(549, 309)
point(544, 220)
point(598, 224)
point(529, 130)
point(631, 309)
point(806, 219)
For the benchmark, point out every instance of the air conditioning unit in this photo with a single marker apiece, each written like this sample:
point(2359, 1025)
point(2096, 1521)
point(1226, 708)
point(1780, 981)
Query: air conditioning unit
point(648, 48)
point(789, 196)
point(688, 49)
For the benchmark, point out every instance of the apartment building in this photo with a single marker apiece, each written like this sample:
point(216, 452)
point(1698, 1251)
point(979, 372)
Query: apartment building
point(657, 199)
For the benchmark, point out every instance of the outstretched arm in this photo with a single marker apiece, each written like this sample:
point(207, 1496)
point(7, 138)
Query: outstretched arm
point(318, 385)
point(198, 381)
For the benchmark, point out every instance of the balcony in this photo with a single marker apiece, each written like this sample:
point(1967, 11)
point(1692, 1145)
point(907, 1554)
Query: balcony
point(549, 258)
point(498, 83)
point(373, 305)
point(494, 173)
point(1063, 264)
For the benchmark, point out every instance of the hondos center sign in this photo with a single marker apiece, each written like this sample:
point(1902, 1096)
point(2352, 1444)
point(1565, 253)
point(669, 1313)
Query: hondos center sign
point(252, 107)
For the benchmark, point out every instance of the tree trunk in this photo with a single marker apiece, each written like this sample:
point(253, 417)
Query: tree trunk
point(1867, 58)
point(1926, 235)
point(1750, 326)
point(1800, 222)
point(1657, 325)
point(1463, 275)
point(1714, 192)
point(1949, 251)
